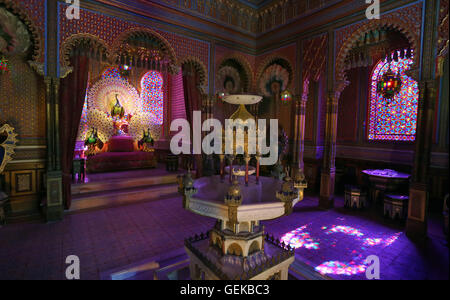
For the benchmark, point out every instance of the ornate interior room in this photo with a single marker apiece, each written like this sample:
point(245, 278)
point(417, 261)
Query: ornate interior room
point(90, 91)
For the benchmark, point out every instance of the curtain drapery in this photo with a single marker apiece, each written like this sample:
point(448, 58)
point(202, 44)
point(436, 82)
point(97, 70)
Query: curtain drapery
point(72, 97)
point(192, 97)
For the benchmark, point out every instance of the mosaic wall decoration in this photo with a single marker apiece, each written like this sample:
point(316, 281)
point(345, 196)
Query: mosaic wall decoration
point(152, 95)
point(23, 105)
point(393, 119)
point(314, 56)
point(111, 73)
point(102, 95)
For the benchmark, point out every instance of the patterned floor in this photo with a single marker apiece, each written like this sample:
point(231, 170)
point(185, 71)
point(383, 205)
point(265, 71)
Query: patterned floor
point(111, 238)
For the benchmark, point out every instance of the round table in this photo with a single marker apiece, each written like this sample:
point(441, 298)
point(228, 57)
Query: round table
point(382, 181)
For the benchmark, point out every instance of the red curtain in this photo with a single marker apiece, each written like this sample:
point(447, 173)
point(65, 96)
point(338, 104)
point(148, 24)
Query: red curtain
point(72, 96)
point(192, 98)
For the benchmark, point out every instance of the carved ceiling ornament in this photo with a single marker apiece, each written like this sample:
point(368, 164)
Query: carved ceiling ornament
point(34, 34)
point(199, 67)
point(442, 47)
point(257, 18)
point(137, 46)
point(146, 45)
point(89, 42)
point(386, 22)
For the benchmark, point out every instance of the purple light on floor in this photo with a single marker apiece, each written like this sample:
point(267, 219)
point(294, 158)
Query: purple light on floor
point(380, 241)
point(345, 230)
point(299, 238)
point(340, 268)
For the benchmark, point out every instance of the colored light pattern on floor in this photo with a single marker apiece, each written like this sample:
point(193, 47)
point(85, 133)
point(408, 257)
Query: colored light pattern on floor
point(299, 238)
point(152, 95)
point(379, 241)
point(356, 264)
point(394, 119)
point(345, 230)
point(340, 268)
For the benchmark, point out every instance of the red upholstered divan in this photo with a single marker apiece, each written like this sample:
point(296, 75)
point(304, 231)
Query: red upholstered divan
point(120, 156)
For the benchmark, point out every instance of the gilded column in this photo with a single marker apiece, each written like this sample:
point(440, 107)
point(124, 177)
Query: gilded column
point(301, 113)
point(54, 201)
point(295, 144)
point(49, 121)
point(327, 179)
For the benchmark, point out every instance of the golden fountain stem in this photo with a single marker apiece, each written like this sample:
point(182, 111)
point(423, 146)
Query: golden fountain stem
point(247, 160)
point(258, 157)
point(222, 166)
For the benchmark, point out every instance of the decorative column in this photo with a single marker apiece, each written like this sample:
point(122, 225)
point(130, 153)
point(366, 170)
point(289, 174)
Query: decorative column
point(54, 201)
point(301, 115)
point(327, 179)
point(416, 225)
point(295, 142)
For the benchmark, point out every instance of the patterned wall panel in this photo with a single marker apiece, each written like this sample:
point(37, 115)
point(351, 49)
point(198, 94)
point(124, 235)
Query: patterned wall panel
point(35, 9)
point(22, 104)
point(108, 28)
point(314, 56)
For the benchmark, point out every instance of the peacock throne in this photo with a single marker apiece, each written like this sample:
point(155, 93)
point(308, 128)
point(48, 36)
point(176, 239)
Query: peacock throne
point(114, 112)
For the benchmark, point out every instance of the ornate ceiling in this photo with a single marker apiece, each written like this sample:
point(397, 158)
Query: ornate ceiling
point(252, 16)
point(256, 3)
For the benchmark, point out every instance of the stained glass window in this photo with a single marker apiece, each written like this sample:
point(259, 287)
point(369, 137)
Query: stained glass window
point(394, 119)
point(152, 95)
point(111, 73)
